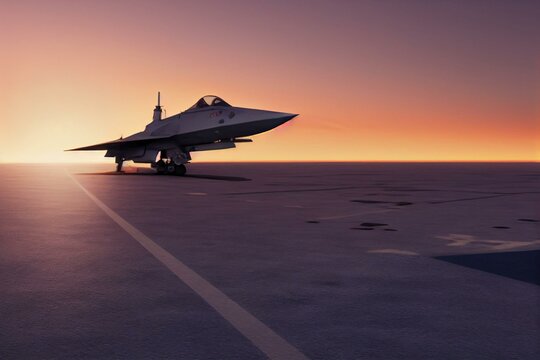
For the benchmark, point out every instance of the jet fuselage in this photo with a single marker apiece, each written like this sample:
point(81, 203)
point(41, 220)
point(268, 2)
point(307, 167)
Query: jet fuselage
point(210, 124)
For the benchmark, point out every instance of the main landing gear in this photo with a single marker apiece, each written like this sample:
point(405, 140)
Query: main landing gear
point(170, 168)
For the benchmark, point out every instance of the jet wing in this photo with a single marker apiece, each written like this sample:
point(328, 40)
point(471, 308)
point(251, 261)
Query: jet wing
point(121, 143)
point(135, 141)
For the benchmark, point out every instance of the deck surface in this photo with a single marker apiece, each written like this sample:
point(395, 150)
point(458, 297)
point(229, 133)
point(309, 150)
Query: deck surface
point(337, 260)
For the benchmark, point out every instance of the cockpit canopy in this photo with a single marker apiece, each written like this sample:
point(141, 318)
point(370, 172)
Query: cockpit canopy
point(208, 101)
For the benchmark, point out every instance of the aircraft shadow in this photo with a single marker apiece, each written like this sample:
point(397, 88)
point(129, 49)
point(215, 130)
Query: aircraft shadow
point(218, 177)
point(518, 265)
point(151, 173)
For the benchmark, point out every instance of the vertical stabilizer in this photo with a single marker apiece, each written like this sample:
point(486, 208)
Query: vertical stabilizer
point(157, 110)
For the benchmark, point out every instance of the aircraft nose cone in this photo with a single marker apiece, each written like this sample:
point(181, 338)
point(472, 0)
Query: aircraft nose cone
point(284, 117)
point(289, 116)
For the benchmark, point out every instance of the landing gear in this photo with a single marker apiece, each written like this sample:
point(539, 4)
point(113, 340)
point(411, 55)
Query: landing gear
point(119, 161)
point(170, 168)
point(171, 162)
point(161, 167)
point(180, 170)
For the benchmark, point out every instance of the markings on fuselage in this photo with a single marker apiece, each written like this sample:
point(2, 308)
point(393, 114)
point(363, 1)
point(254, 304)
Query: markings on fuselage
point(264, 338)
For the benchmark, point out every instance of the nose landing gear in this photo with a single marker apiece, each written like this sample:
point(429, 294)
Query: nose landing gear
point(119, 161)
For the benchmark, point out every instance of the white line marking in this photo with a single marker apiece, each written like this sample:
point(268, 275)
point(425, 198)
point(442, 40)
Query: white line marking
point(466, 239)
point(393, 251)
point(264, 338)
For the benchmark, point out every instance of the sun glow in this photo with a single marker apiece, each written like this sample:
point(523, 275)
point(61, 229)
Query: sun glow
point(83, 73)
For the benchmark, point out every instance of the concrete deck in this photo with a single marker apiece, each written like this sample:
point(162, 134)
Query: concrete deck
point(340, 261)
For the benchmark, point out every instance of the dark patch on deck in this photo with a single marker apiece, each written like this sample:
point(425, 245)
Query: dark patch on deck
point(398, 203)
point(370, 201)
point(517, 265)
point(407, 189)
point(216, 177)
point(403, 203)
point(372, 224)
point(293, 191)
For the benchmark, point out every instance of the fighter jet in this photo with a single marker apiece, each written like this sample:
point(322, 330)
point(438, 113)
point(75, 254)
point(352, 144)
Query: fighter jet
point(210, 124)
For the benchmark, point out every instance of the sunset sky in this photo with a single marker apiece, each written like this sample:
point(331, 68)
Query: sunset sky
point(371, 80)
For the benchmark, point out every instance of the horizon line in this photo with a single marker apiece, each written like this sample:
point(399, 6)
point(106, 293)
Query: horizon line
point(285, 161)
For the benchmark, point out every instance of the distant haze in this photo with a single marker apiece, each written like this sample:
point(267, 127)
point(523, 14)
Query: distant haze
point(371, 80)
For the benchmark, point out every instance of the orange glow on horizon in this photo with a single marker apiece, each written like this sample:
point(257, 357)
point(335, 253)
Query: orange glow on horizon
point(78, 74)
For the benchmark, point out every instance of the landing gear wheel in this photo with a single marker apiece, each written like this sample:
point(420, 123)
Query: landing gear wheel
point(180, 170)
point(161, 167)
